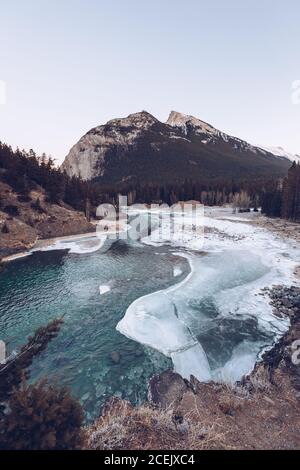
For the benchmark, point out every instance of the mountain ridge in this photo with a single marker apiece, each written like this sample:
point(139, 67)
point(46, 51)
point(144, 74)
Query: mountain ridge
point(141, 147)
point(281, 152)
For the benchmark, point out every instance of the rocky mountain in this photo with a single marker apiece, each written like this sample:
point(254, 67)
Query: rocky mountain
point(140, 147)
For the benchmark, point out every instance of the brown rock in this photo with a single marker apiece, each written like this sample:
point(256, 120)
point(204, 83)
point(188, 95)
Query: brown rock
point(166, 388)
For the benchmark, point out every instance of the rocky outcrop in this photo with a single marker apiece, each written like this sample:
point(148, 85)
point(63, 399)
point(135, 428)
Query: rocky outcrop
point(166, 388)
point(286, 302)
point(139, 147)
point(88, 157)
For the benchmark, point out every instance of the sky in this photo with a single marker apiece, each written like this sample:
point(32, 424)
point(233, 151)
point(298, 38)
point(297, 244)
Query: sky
point(69, 65)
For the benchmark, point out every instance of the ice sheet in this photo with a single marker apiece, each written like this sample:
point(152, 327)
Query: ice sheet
point(224, 286)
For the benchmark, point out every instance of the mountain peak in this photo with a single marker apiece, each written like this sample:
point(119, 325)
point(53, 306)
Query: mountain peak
point(186, 121)
point(140, 119)
point(140, 146)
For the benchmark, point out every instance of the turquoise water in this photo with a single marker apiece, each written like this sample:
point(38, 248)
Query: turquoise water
point(49, 284)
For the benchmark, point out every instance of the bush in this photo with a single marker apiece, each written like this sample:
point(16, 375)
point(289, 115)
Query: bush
point(24, 198)
point(12, 210)
point(36, 416)
point(42, 417)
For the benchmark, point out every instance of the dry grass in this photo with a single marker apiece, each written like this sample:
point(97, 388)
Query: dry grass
point(231, 398)
point(260, 379)
point(122, 426)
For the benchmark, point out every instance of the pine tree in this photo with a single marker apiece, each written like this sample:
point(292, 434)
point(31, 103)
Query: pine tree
point(291, 194)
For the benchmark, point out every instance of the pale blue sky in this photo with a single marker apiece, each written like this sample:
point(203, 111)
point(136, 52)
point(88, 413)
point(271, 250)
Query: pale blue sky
point(70, 65)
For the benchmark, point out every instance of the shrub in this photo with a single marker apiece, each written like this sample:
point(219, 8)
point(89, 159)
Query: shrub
point(12, 210)
point(42, 417)
point(36, 416)
point(24, 198)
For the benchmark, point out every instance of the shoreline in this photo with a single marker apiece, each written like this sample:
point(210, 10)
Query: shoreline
point(47, 242)
point(42, 242)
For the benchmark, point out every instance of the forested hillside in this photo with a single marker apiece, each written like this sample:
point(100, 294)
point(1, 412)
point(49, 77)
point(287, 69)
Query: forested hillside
point(37, 201)
point(25, 172)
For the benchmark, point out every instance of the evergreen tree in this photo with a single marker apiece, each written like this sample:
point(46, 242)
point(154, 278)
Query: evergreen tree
point(291, 194)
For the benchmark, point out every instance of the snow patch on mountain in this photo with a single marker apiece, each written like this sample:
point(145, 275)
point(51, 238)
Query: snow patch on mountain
point(281, 152)
point(184, 121)
point(119, 146)
point(189, 123)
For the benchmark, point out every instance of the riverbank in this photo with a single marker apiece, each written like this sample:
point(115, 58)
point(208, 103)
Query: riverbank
point(283, 228)
point(41, 244)
point(110, 228)
point(25, 220)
